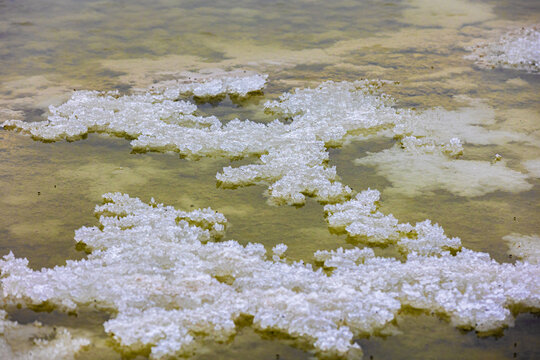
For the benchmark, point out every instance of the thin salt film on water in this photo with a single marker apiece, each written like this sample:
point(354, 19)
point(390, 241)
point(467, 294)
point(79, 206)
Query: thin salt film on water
point(526, 247)
point(155, 270)
point(62, 346)
point(293, 157)
point(419, 166)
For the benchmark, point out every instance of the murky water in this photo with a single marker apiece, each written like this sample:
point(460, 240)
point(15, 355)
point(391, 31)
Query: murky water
point(50, 189)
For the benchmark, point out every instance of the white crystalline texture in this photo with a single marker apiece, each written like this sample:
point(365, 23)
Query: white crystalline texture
point(360, 217)
point(518, 49)
point(332, 110)
point(293, 156)
point(239, 85)
point(533, 167)
point(61, 347)
point(165, 285)
point(526, 247)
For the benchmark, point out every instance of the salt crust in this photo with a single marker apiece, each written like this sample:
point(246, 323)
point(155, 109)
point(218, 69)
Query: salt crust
point(517, 49)
point(419, 167)
point(62, 347)
point(526, 247)
point(164, 284)
point(359, 217)
point(292, 156)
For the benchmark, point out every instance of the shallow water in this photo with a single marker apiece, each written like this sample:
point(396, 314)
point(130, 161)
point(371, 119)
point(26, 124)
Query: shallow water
point(50, 189)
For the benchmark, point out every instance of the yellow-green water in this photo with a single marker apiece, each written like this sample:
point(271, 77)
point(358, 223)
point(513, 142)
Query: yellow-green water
point(47, 49)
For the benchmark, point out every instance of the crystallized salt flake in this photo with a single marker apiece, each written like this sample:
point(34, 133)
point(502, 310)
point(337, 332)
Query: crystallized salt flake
point(517, 49)
point(279, 249)
point(166, 286)
point(293, 156)
point(526, 247)
point(240, 85)
point(359, 217)
point(332, 110)
point(59, 344)
point(429, 239)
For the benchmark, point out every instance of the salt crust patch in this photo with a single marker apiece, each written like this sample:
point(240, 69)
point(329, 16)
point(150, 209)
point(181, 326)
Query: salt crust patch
point(526, 247)
point(153, 268)
point(533, 167)
point(470, 124)
point(517, 49)
point(292, 156)
point(418, 170)
point(62, 347)
point(359, 217)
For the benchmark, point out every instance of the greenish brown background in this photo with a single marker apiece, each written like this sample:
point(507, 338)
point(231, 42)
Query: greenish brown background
point(50, 48)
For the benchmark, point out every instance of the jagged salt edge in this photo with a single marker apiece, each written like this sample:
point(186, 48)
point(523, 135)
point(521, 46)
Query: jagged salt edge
point(155, 271)
point(292, 156)
point(360, 217)
point(62, 347)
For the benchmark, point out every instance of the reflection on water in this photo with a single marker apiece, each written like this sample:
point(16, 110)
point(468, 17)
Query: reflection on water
point(50, 189)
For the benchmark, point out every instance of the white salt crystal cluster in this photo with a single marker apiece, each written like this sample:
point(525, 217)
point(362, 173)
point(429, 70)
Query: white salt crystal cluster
point(165, 285)
point(359, 217)
point(526, 247)
point(238, 85)
point(293, 156)
point(517, 49)
point(61, 347)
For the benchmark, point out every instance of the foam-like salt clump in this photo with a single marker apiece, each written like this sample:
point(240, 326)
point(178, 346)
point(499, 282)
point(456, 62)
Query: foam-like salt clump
point(517, 49)
point(240, 85)
point(165, 285)
point(293, 156)
point(526, 247)
point(360, 217)
point(61, 347)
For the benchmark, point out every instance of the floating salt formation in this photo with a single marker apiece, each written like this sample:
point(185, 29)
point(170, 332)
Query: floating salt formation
point(292, 157)
point(166, 284)
point(533, 167)
point(359, 217)
point(526, 247)
point(61, 347)
point(517, 49)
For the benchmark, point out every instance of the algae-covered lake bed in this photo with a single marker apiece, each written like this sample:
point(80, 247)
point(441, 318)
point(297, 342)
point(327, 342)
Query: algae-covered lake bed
point(273, 180)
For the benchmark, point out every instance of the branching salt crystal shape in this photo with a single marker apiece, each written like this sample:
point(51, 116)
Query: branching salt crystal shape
point(154, 270)
point(292, 156)
point(360, 217)
point(517, 49)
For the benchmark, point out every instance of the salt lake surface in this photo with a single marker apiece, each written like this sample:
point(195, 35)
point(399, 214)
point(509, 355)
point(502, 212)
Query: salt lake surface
point(49, 189)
